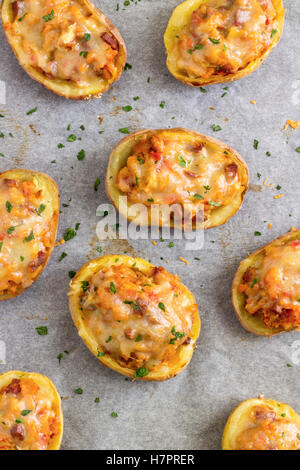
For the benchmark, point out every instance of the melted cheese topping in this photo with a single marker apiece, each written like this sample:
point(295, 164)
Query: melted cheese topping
point(26, 220)
point(224, 36)
point(168, 170)
point(139, 319)
point(63, 40)
point(28, 420)
point(273, 289)
point(266, 430)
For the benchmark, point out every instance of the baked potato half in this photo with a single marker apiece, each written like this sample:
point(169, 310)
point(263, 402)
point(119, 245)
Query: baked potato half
point(262, 424)
point(218, 41)
point(193, 180)
point(30, 411)
point(70, 47)
point(266, 289)
point(29, 213)
point(138, 320)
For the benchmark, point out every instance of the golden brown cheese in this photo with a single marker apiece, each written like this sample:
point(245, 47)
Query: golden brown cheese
point(224, 36)
point(28, 417)
point(266, 430)
point(164, 169)
point(273, 289)
point(62, 40)
point(27, 220)
point(138, 319)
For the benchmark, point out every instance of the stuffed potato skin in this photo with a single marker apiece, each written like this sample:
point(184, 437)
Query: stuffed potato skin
point(259, 424)
point(182, 16)
point(253, 323)
point(26, 195)
point(80, 282)
point(125, 148)
point(48, 389)
point(66, 87)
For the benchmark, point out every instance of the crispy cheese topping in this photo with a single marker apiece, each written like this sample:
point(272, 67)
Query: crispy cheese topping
point(224, 36)
point(26, 221)
point(273, 289)
point(28, 420)
point(166, 169)
point(62, 40)
point(138, 319)
point(268, 430)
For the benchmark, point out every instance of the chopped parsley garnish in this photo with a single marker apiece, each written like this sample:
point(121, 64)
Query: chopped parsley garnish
point(8, 206)
point(141, 372)
point(71, 138)
point(72, 274)
point(96, 184)
point(112, 288)
point(162, 104)
point(127, 66)
point(1, 245)
point(25, 412)
point(84, 54)
point(182, 162)
point(60, 146)
point(78, 391)
point(216, 128)
point(19, 421)
point(127, 108)
point(136, 98)
point(138, 338)
point(162, 306)
point(108, 339)
point(124, 130)
point(30, 237)
point(141, 161)
point(202, 89)
point(87, 37)
point(213, 203)
point(298, 149)
point(114, 414)
point(273, 32)
point(69, 234)
point(41, 209)
point(10, 230)
point(42, 330)
point(255, 281)
point(97, 400)
point(62, 256)
point(255, 144)
point(22, 17)
point(59, 357)
point(171, 244)
point(198, 196)
point(257, 234)
point(150, 199)
point(100, 354)
point(84, 285)
point(214, 41)
point(81, 155)
point(31, 111)
point(49, 17)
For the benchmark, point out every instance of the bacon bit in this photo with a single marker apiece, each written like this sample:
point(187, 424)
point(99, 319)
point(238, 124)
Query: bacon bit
point(270, 225)
point(212, 108)
point(278, 196)
point(268, 185)
point(292, 229)
point(61, 242)
point(183, 260)
point(292, 124)
point(253, 102)
point(154, 243)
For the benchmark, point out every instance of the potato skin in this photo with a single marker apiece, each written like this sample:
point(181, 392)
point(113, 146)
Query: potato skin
point(47, 182)
point(47, 385)
point(233, 429)
point(85, 272)
point(63, 87)
point(253, 323)
point(121, 152)
point(180, 18)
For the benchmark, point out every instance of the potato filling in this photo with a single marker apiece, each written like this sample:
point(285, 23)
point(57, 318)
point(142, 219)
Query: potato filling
point(269, 431)
point(273, 290)
point(166, 169)
point(139, 319)
point(26, 221)
point(63, 40)
point(224, 36)
point(28, 420)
